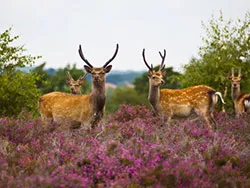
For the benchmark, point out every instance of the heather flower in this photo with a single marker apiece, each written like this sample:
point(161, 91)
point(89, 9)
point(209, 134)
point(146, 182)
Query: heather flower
point(133, 150)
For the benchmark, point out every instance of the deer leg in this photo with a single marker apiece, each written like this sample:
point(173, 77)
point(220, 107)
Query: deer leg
point(200, 115)
point(208, 121)
point(237, 114)
point(211, 115)
point(209, 118)
point(169, 120)
point(238, 110)
point(194, 115)
point(75, 124)
point(95, 119)
point(206, 115)
point(213, 120)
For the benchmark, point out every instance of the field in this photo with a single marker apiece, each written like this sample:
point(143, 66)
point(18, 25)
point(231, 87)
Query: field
point(134, 150)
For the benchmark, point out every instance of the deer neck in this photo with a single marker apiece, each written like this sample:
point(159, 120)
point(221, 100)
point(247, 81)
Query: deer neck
point(154, 97)
point(98, 96)
point(235, 92)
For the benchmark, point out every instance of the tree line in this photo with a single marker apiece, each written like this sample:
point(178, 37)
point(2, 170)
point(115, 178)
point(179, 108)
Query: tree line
point(226, 45)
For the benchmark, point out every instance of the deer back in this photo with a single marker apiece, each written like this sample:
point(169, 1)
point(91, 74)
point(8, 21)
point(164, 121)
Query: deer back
point(186, 99)
point(60, 106)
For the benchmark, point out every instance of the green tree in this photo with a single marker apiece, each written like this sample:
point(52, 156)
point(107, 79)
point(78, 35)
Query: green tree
point(57, 81)
point(17, 89)
point(225, 45)
point(124, 95)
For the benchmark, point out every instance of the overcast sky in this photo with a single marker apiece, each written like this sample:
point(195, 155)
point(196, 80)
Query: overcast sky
point(55, 28)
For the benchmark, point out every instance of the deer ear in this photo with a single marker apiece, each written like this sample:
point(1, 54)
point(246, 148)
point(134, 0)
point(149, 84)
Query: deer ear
point(150, 73)
point(163, 73)
point(108, 68)
point(229, 77)
point(67, 81)
point(81, 81)
point(88, 69)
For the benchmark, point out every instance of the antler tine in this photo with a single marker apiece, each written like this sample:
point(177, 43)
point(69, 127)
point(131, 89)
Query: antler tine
point(162, 66)
point(111, 59)
point(143, 55)
point(84, 76)
point(83, 58)
point(152, 67)
point(232, 72)
point(69, 75)
point(239, 73)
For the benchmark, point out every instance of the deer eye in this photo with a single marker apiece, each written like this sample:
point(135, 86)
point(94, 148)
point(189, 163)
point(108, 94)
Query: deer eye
point(153, 77)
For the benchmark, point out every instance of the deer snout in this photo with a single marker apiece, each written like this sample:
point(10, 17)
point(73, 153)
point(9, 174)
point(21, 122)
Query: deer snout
point(235, 85)
point(96, 78)
point(162, 81)
point(73, 91)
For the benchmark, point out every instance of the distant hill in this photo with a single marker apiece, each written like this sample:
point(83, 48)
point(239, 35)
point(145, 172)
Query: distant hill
point(119, 78)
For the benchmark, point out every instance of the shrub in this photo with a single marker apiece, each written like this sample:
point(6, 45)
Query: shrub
point(133, 150)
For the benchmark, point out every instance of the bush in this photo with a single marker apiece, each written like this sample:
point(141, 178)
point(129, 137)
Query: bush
point(124, 95)
point(134, 150)
point(17, 89)
point(18, 92)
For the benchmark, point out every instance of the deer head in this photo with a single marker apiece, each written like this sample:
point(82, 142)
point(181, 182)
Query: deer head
point(155, 77)
point(75, 85)
point(235, 80)
point(98, 73)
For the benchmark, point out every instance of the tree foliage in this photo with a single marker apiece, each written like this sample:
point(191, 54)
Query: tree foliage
point(225, 46)
point(124, 95)
point(17, 89)
point(57, 80)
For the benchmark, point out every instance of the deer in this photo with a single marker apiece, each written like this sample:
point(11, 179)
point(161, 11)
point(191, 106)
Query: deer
point(178, 103)
point(75, 85)
point(241, 101)
point(84, 109)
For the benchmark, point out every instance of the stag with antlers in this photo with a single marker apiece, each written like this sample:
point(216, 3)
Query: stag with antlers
point(86, 109)
point(169, 103)
point(241, 101)
point(75, 85)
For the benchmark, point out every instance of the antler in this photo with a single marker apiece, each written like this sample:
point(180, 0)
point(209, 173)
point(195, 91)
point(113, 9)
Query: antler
point(69, 75)
point(83, 58)
point(162, 66)
point(239, 74)
point(232, 72)
point(83, 77)
point(143, 55)
point(106, 64)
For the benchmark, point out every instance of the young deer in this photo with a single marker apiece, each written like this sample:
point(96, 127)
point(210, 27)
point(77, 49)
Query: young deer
point(75, 85)
point(79, 108)
point(241, 100)
point(171, 103)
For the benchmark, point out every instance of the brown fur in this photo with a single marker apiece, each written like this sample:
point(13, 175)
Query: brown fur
point(194, 97)
point(77, 108)
point(169, 103)
point(75, 85)
point(62, 106)
point(199, 99)
point(88, 109)
point(241, 100)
